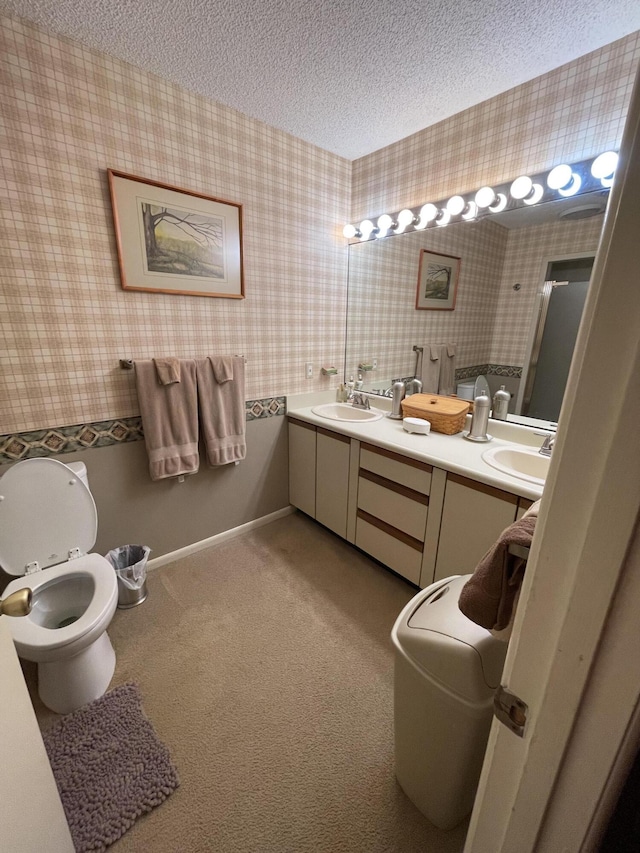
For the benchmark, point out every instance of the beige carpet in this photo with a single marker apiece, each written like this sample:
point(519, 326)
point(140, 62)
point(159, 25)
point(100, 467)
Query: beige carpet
point(266, 667)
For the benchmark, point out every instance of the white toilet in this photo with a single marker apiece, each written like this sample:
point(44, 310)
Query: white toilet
point(48, 524)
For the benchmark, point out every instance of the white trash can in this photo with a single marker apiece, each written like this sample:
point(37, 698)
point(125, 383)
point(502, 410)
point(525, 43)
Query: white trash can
point(447, 669)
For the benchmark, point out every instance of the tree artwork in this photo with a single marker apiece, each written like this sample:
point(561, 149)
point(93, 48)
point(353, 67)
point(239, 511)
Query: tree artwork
point(437, 281)
point(182, 243)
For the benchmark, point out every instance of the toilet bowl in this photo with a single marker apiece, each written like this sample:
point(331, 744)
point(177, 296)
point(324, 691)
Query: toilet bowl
point(48, 524)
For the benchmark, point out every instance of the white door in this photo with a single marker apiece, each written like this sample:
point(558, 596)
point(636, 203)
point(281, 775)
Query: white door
point(563, 625)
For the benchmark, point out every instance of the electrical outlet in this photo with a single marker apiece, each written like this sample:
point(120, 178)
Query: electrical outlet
point(308, 370)
point(374, 362)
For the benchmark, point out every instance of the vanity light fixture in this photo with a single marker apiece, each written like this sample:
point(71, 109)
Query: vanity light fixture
point(604, 166)
point(591, 175)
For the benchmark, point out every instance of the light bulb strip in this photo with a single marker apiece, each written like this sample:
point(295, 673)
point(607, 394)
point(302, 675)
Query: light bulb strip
point(566, 180)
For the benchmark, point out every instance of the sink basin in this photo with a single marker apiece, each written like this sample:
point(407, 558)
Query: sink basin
point(345, 412)
point(519, 462)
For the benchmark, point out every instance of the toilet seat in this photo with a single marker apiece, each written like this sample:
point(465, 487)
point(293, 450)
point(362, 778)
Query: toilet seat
point(47, 515)
point(28, 634)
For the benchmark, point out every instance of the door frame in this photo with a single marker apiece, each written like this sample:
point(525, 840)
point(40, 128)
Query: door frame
point(579, 559)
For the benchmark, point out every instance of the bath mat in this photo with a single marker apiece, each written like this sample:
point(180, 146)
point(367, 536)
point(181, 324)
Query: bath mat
point(110, 767)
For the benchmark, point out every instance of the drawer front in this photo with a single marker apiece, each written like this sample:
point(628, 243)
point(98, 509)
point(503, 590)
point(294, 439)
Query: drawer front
point(409, 472)
point(395, 553)
point(395, 506)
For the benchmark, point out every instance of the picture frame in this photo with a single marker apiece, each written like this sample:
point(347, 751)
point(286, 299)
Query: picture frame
point(437, 281)
point(174, 240)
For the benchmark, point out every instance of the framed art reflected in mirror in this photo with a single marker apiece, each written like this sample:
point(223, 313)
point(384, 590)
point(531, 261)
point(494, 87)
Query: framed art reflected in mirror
point(437, 281)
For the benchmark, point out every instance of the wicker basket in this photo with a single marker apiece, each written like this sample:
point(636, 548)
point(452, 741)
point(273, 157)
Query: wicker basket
point(445, 414)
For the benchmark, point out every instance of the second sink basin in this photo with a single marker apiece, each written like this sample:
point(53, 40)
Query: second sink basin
point(519, 462)
point(345, 412)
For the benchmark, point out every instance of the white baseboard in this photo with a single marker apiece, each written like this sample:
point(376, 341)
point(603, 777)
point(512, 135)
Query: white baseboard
point(172, 556)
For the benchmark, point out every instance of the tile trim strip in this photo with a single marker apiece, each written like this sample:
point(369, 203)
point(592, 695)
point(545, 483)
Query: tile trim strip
point(68, 439)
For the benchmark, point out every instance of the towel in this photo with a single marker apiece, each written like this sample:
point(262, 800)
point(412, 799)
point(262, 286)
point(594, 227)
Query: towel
point(447, 383)
point(169, 420)
point(488, 596)
point(168, 370)
point(430, 369)
point(222, 414)
point(222, 368)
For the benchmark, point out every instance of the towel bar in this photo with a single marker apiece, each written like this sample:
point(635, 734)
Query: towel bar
point(128, 363)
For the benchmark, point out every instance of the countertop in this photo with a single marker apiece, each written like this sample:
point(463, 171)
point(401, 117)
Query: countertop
point(450, 452)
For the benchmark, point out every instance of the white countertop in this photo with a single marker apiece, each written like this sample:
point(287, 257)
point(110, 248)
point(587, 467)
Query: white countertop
point(450, 452)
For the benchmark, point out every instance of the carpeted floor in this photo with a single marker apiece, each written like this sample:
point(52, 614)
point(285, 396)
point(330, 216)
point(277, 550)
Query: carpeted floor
point(266, 667)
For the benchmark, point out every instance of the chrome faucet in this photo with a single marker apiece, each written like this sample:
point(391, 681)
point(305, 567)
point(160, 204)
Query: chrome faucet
point(547, 447)
point(358, 401)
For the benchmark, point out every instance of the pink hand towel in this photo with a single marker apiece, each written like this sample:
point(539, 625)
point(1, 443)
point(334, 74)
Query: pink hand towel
point(222, 368)
point(168, 370)
point(222, 414)
point(169, 419)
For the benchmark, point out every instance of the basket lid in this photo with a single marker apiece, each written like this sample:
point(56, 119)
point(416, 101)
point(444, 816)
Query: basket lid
point(436, 404)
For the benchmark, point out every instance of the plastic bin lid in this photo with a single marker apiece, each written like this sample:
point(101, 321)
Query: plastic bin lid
point(465, 657)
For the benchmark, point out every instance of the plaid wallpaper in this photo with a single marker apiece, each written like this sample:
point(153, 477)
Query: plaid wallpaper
point(69, 113)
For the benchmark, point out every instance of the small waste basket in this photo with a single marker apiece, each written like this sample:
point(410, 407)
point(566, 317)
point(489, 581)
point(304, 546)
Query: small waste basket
point(447, 669)
point(130, 564)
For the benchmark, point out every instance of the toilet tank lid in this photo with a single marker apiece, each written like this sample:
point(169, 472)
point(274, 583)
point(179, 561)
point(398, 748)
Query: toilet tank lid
point(46, 512)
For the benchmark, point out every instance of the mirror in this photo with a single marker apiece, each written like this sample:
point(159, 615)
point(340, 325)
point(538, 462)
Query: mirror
point(504, 261)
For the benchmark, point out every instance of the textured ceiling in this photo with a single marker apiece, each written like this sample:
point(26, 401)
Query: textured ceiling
point(348, 75)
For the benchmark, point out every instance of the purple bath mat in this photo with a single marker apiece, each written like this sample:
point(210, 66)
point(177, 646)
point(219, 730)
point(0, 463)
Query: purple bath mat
point(109, 766)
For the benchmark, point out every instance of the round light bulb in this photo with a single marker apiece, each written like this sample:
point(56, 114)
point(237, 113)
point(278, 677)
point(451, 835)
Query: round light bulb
point(573, 186)
point(559, 177)
point(456, 205)
point(485, 196)
point(428, 213)
point(405, 218)
point(350, 231)
point(604, 165)
point(366, 228)
point(537, 193)
point(444, 218)
point(385, 222)
point(499, 204)
point(521, 187)
point(471, 212)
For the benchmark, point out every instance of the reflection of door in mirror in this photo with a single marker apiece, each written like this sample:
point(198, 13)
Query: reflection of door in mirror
point(561, 309)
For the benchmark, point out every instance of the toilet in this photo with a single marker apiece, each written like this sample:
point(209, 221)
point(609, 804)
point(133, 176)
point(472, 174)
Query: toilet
point(48, 524)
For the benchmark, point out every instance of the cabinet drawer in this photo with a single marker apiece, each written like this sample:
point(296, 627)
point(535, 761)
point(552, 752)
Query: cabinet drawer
point(398, 506)
point(409, 472)
point(401, 555)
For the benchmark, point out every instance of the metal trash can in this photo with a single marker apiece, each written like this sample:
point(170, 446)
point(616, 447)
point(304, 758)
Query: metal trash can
point(130, 564)
point(447, 669)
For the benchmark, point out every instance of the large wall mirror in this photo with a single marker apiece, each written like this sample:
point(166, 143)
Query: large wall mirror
point(503, 310)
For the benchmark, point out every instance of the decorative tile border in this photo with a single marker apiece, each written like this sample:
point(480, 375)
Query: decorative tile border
point(488, 370)
point(68, 439)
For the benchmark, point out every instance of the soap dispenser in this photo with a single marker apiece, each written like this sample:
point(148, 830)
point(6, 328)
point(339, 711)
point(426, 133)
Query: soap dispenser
point(500, 404)
point(479, 420)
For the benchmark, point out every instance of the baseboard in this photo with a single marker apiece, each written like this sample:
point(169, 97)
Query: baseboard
point(172, 556)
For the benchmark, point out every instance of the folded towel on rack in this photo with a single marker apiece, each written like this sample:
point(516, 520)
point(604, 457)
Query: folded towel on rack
point(169, 420)
point(168, 370)
point(488, 596)
point(222, 413)
point(447, 381)
point(431, 362)
point(222, 368)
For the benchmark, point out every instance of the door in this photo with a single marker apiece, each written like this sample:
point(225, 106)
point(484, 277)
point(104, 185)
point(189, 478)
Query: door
point(562, 306)
point(590, 506)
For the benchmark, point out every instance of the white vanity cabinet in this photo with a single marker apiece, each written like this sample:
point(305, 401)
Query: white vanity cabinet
point(319, 474)
point(392, 509)
point(473, 517)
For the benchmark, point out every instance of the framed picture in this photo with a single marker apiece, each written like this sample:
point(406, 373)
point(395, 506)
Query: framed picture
point(172, 240)
point(437, 281)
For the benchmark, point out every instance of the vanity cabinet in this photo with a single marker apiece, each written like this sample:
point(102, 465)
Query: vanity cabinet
point(392, 509)
point(319, 474)
point(473, 517)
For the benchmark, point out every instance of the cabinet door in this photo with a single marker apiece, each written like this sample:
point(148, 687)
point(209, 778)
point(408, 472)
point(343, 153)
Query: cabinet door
point(473, 517)
point(302, 466)
point(332, 480)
